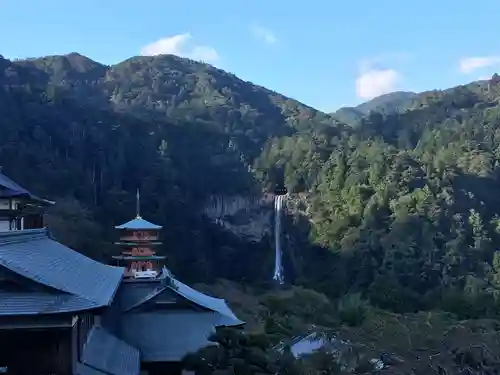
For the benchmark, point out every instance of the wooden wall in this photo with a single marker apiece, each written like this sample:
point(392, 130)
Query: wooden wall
point(32, 352)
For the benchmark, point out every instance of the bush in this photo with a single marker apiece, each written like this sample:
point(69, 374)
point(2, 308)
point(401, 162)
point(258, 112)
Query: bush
point(352, 309)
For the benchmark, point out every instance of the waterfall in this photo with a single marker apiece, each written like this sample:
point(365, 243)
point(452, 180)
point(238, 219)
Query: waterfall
point(278, 263)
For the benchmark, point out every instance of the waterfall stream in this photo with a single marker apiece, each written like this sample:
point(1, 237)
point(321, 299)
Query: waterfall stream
point(278, 263)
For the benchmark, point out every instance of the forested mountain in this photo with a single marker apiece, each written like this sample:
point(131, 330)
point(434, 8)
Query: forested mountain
point(396, 101)
point(398, 213)
point(173, 88)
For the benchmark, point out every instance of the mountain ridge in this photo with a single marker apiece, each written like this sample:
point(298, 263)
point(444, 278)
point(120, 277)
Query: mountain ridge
point(390, 102)
point(167, 65)
point(398, 213)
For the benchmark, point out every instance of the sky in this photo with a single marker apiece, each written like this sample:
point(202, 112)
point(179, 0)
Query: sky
point(324, 53)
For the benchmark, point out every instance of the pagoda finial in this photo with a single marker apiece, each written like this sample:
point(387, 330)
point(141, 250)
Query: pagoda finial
point(138, 204)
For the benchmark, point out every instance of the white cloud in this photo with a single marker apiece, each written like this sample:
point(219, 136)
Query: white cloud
point(264, 34)
point(373, 82)
point(470, 64)
point(181, 45)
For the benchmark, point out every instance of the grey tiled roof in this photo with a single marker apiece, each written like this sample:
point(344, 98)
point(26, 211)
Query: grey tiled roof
point(226, 318)
point(41, 303)
point(168, 336)
point(131, 294)
point(135, 294)
point(105, 352)
point(13, 189)
point(34, 255)
point(138, 223)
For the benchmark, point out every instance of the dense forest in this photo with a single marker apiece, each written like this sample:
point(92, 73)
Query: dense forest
point(393, 224)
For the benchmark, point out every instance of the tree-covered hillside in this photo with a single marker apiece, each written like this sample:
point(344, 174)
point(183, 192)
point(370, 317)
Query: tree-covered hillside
point(400, 211)
point(177, 89)
point(396, 101)
point(181, 131)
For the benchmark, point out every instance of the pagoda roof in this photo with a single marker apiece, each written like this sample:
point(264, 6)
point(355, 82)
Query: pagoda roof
point(138, 223)
point(12, 189)
point(74, 281)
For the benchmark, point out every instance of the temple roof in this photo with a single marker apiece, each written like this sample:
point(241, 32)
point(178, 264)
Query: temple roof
point(138, 223)
point(41, 303)
point(168, 336)
point(75, 282)
point(226, 318)
point(12, 189)
point(133, 295)
point(164, 335)
point(106, 353)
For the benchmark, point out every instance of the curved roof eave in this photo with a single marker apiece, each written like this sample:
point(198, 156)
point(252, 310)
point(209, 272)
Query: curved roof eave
point(139, 223)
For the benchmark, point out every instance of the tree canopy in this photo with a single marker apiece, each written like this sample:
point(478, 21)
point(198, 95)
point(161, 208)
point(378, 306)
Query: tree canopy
point(397, 208)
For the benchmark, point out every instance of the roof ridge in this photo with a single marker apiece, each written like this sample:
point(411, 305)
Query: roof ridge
point(203, 300)
point(148, 297)
point(23, 235)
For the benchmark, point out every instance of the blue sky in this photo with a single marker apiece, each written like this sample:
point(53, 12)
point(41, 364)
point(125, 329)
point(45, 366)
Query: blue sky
point(324, 53)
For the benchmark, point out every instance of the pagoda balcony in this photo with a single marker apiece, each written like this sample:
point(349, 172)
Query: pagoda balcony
point(138, 243)
point(139, 257)
point(142, 238)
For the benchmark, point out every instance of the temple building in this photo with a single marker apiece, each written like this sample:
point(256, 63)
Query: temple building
point(137, 239)
point(52, 298)
point(19, 209)
point(63, 313)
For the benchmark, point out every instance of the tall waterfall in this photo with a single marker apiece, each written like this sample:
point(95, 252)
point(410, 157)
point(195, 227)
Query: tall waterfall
point(278, 263)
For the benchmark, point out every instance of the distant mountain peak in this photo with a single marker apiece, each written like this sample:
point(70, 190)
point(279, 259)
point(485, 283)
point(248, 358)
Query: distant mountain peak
point(390, 102)
point(70, 62)
point(82, 63)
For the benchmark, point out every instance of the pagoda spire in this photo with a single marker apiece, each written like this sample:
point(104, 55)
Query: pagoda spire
point(138, 205)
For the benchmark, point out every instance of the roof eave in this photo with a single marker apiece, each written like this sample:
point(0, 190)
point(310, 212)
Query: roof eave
point(33, 198)
point(137, 228)
point(113, 296)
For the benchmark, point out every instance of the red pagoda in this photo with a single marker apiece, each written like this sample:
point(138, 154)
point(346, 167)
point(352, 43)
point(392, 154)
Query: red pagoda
point(137, 240)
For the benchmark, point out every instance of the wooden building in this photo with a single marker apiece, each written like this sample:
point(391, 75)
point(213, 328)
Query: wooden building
point(51, 301)
point(19, 209)
point(63, 313)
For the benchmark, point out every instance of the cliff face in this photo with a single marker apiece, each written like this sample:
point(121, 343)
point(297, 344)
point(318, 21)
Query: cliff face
point(245, 216)
point(252, 216)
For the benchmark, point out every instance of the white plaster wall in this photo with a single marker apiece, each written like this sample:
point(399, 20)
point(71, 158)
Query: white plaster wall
point(4, 225)
point(4, 204)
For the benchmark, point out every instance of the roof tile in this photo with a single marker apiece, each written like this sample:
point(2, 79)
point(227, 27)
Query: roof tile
point(168, 336)
point(34, 255)
point(226, 318)
point(13, 189)
point(41, 303)
point(106, 353)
